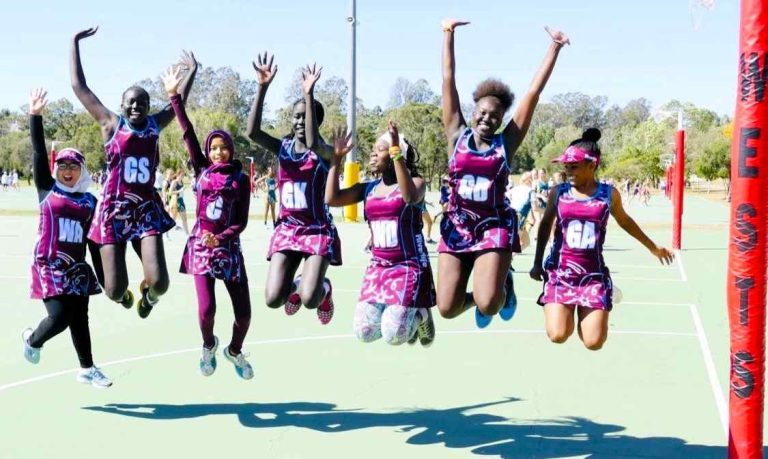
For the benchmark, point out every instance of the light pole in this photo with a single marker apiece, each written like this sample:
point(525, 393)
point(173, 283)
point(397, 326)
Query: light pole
point(351, 167)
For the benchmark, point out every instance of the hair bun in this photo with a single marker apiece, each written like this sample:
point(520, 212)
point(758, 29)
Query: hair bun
point(591, 135)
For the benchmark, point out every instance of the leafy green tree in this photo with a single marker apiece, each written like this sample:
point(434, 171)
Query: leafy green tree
point(422, 125)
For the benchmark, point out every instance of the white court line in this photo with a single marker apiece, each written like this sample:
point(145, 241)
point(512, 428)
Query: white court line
point(542, 332)
point(25, 382)
point(680, 267)
point(709, 362)
point(706, 351)
point(650, 279)
point(633, 303)
point(663, 268)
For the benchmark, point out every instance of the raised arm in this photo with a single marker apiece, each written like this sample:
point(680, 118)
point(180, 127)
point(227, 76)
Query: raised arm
point(265, 73)
point(453, 120)
point(309, 77)
point(629, 225)
point(518, 126)
point(171, 81)
point(545, 228)
point(106, 119)
point(412, 189)
point(189, 64)
point(342, 143)
point(40, 169)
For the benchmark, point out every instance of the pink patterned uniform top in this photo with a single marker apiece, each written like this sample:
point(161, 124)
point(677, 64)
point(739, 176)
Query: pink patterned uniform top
point(399, 272)
point(576, 270)
point(130, 207)
point(304, 225)
point(479, 216)
point(58, 266)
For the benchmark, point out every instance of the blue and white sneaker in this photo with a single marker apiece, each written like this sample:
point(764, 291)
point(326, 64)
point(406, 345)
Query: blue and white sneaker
point(208, 358)
point(242, 367)
point(481, 320)
point(94, 377)
point(510, 303)
point(32, 354)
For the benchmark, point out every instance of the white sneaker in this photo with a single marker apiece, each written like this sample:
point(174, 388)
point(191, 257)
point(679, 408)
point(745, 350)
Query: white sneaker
point(94, 377)
point(32, 354)
point(242, 367)
point(208, 358)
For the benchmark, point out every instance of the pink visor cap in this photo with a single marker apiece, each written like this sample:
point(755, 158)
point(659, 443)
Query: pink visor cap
point(575, 154)
point(70, 154)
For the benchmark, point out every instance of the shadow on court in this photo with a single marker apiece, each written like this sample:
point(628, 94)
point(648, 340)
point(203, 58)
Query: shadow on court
point(486, 434)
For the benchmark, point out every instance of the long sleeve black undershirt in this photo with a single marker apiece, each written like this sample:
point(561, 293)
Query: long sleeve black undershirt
point(40, 169)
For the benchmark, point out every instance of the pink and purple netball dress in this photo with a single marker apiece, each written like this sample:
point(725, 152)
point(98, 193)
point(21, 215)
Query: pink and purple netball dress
point(479, 216)
point(576, 270)
point(58, 266)
point(304, 225)
point(399, 272)
point(131, 208)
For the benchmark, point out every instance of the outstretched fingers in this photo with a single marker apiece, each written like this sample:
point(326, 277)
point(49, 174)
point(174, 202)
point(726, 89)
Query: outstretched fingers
point(86, 33)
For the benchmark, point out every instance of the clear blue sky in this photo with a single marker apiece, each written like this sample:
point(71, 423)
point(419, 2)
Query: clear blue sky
point(621, 49)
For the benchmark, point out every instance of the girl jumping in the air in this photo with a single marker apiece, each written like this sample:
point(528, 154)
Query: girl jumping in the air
point(60, 275)
point(131, 210)
point(213, 248)
point(398, 290)
point(305, 229)
point(575, 275)
point(479, 231)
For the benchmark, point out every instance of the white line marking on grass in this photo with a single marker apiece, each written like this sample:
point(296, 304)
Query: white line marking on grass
point(709, 363)
point(680, 267)
point(300, 339)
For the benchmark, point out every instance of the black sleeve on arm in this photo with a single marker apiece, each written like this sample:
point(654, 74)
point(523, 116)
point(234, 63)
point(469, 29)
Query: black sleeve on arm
point(40, 172)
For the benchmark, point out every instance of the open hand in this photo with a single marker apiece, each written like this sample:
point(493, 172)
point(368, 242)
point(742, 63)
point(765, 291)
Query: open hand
point(558, 36)
point(265, 73)
point(342, 142)
point(37, 101)
point(450, 24)
point(172, 79)
point(187, 61)
point(86, 33)
point(309, 77)
point(665, 256)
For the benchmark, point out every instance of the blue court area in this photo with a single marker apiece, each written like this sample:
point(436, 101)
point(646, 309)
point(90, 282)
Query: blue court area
point(655, 390)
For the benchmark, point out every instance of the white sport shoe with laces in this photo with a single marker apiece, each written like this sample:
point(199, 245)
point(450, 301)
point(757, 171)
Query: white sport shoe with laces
point(32, 354)
point(94, 377)
point(208, 358)
point(242, 367)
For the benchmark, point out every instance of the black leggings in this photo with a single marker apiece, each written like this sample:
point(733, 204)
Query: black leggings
point(66, 311)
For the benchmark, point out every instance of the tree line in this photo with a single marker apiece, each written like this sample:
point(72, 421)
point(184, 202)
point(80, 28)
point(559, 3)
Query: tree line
point(636, 141)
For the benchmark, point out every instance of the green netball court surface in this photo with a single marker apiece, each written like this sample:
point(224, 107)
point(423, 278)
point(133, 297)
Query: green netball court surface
point(655, 390)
